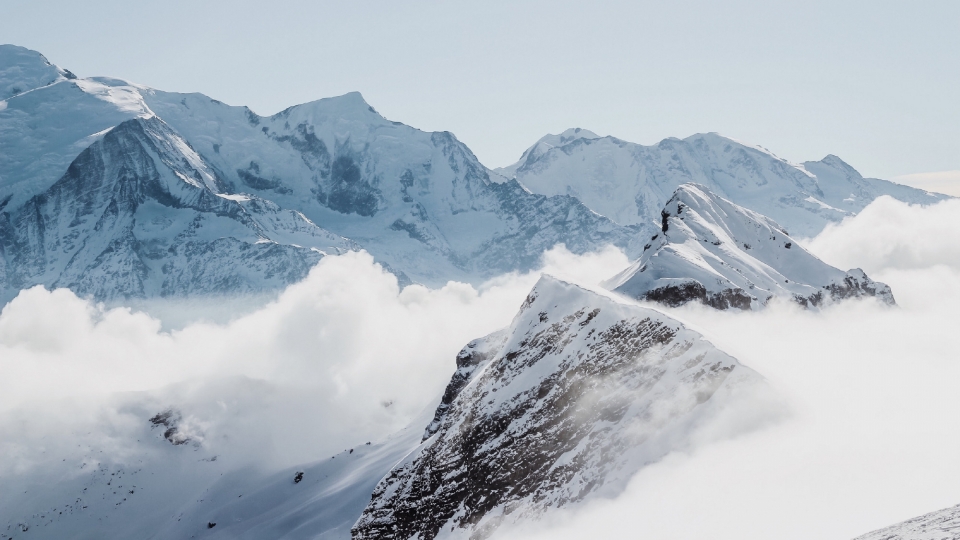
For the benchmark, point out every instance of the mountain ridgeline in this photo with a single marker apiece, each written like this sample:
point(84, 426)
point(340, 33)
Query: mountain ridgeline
point(712, 251)
point(566, 404)
point(119, 191)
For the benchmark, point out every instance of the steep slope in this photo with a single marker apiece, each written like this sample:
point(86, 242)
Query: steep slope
point(139, 213)
point(940, 525)
point(42, 130)
point(716, 252)
point(567, 403)
point(630, 183)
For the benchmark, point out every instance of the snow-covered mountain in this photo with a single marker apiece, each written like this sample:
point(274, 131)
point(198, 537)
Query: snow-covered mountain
point(629, 183)
point(139, 213)
point(567, 403)
point(940, 525)
point(723, 255)
point(420, 202)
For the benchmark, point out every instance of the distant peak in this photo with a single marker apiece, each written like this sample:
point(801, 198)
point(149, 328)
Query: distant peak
point(568, 136)
point(835, 163)
point(349, 105)
point(545, 144)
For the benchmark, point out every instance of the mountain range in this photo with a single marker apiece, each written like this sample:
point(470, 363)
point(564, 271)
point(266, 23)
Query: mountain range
point(90, 194)
point(630, 183)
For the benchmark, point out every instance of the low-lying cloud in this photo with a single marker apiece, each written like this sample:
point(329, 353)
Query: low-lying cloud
point(341, 358)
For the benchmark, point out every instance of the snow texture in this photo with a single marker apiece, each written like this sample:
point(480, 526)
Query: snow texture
point(567, 403)
point(720, 254)
point(629, 183)
point(139, 213)
point(940, 525)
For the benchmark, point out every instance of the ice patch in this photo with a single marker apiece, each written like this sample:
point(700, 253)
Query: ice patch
point(237, 198)
point(822, 204)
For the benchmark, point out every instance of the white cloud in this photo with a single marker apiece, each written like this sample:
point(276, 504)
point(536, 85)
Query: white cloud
point(891, 234)
point(338, 359)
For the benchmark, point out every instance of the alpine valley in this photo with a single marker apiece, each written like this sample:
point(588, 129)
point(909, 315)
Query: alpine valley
point(123, 193)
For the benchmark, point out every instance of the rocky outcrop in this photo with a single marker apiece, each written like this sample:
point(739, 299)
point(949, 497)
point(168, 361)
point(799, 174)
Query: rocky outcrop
point(712, 251)
point(567, 403)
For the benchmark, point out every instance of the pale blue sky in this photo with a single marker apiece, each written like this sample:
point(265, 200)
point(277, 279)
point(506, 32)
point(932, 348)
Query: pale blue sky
point(877, 83)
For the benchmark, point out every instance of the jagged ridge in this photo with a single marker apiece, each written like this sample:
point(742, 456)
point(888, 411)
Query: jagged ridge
point(567, 403)
point(715, 252)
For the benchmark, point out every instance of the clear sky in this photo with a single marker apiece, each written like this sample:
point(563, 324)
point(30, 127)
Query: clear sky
point(875, 82)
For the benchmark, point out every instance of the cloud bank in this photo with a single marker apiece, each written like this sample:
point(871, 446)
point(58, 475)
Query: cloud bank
point(341, 358)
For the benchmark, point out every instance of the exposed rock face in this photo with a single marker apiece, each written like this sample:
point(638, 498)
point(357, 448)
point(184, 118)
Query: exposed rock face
point(629, 183)
point(940, 525)
point(170, 420)
point(568, 402)
point(712, 251)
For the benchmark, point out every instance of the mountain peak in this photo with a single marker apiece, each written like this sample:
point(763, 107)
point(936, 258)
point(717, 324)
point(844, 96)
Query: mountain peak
point(565, 394)
point(350, 106)
point(727, 256)
point(22, 70)
point(835, 163)
point(544, 145)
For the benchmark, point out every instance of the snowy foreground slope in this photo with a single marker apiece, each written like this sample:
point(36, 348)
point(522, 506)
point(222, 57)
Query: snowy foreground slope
point(174, 474)
point(567, 403)
point(940, 525)
point(420, 202)
point(715, 252)
point(630, 183)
